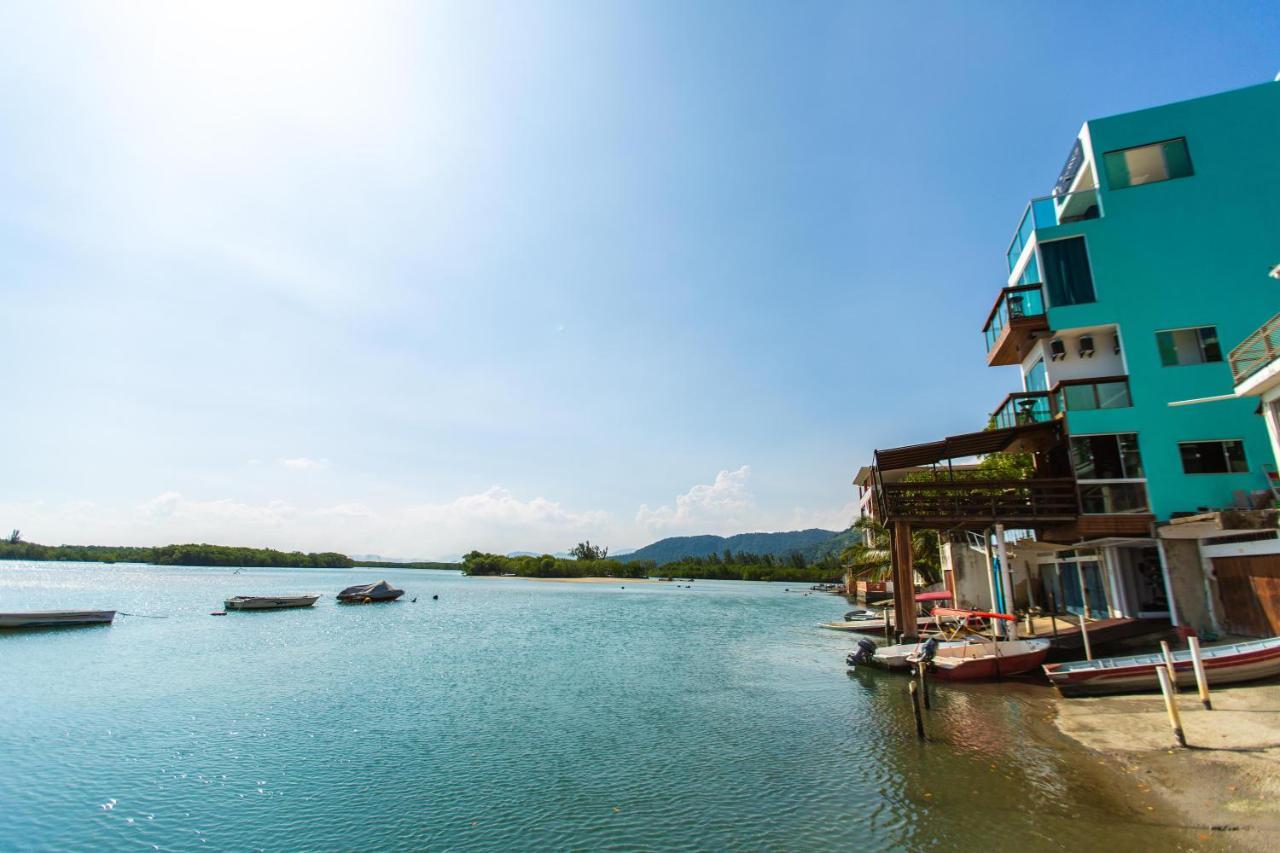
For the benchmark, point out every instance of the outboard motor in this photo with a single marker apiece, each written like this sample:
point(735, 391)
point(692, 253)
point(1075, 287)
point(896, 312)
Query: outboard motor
point(866, 650)
point(928, 650)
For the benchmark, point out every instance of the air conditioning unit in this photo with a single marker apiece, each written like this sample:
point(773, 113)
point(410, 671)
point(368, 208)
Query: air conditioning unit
point(1057, 350)
point(1086, 346)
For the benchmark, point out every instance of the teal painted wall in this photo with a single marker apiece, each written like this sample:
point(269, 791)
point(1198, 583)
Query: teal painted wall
point(1193, 251)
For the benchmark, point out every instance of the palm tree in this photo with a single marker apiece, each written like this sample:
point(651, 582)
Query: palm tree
point(873, 562)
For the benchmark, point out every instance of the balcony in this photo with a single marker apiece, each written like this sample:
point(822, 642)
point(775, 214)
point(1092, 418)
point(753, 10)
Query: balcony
point(975, 503)
point(1050, 211)
point(1256, 351)
point(1013, 323)
point(1022, 408)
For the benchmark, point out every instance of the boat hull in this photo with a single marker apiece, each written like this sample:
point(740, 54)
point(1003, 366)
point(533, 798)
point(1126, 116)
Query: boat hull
point(975, 662)
point(268, 603)
point(1137, 674)
point(55, 618)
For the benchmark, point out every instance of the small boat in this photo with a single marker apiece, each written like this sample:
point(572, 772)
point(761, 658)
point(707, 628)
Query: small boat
point(55, 618)
point(1226, 664)
point(896, 657)
point(370, 592)
point(267, 602)
point(860, 626)
point(986, 659)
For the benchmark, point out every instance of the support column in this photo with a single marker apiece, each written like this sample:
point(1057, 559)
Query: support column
point(991, 569)
point(904, 587)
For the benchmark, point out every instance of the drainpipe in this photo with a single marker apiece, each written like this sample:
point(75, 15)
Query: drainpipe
point(1006, 583)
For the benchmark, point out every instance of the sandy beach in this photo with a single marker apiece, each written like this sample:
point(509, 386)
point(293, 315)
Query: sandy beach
point(1226, 782)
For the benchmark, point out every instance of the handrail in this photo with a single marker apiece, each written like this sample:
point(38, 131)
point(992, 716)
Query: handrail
point(942, 485)
point(1256, 351)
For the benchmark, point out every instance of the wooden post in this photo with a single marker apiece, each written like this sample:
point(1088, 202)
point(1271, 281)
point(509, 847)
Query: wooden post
point(915, 709)
point(1171, 705)
point(904, 588)
point(1168, 663)
point(921, 666)
point(1084, 617)
point(1053, 615)
point(1202, 681)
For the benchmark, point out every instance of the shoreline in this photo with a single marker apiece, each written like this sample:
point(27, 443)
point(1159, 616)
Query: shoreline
point(571, 580)
point(1225, 784)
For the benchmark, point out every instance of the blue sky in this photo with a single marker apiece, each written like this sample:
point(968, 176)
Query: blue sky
point(411, 279)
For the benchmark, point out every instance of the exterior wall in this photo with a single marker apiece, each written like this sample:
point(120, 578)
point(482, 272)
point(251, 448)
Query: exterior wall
point(1187, 582)
point(1104, 362)
point(969, 571)
point(1186, 252)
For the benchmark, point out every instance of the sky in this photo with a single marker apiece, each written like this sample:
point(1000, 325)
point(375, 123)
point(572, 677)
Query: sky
point(411, 279)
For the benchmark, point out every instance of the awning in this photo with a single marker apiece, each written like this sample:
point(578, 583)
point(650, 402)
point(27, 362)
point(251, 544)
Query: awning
point(1024, 437)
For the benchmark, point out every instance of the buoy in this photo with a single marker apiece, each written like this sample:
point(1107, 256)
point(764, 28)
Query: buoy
point(218, 613)
point(433, 598)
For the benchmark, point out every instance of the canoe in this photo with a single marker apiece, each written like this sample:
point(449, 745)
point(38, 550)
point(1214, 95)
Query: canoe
point(266, 602)
point(1226, 664)
point(54, 618)
point(370, 592)
point(986, 659)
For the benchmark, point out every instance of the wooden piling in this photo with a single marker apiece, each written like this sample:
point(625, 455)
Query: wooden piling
point(1168, 664)
point(1171, 705)
point(1202, 681)
point(915, 709)
point(921, 666)
point(1084, 613)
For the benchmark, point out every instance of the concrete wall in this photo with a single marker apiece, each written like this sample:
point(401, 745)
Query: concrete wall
point(1186, 577)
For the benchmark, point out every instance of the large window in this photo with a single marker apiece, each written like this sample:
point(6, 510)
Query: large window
point(1147, 164)
point(1189, 346)
point(1106, 457)
point(1066, 272)
point(1213, 457)
point(1037, 378)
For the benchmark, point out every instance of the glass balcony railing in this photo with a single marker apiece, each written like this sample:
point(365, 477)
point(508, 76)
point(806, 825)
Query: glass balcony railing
point(1022, 408)
point(1051, 210)
point(1025, 300)
point(1076, 395)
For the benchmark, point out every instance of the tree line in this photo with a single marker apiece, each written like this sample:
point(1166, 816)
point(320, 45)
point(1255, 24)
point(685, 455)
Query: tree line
point(728, 566)
point(174, 555)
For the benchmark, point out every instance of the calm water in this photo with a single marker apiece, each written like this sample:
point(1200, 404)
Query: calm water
point(508, 714)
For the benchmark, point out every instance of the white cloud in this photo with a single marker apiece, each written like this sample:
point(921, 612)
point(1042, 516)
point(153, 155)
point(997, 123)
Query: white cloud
point(302, 463)
point(726, 504)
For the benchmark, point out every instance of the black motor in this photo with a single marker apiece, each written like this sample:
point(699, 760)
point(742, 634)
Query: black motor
point(866, 649)
point(928, 650)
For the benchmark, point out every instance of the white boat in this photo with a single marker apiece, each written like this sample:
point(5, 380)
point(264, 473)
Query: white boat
point(54, 618)
point(268, 602)
point(895, 657)
point(1226, 664)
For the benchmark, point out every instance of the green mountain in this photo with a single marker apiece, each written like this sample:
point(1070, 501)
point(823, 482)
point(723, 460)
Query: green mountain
point(812, 543)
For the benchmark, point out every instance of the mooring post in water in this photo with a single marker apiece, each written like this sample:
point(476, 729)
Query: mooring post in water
point(1202, 681)
point(924, 685)
point(1168, 663)
point(1053, 615)
point(915, 709)
point(1171, 705)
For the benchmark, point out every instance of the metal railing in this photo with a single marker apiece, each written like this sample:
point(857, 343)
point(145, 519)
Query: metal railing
point(982, 501)
point(1014, 303)
point(1256, 351)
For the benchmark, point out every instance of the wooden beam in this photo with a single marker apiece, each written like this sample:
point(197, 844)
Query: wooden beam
point(904, 589)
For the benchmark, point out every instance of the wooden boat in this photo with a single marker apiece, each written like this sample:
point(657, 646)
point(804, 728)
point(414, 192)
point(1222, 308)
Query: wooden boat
point(1226, 664)
point(56, 618)
point(267, 602)
point(986, 659)
point(370, 592)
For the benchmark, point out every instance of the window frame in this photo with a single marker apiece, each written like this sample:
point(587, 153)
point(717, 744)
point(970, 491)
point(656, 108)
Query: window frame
point(1199, 342)
point(1046, 288)
point(1185, 145)
point(1222, 442)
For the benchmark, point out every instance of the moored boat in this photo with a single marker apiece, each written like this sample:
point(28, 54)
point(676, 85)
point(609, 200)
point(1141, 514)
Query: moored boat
point(56, 618)
point(986, 659)
point(267, 602)
point(896, 656)
point(369, 593)
point(1226, 664)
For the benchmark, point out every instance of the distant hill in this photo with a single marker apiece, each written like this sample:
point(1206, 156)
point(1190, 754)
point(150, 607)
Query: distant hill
point(813, 543)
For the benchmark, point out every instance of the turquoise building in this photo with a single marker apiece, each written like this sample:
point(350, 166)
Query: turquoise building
point(1127, 286)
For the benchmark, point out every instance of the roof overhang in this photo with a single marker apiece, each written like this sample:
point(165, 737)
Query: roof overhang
point(1008, 440)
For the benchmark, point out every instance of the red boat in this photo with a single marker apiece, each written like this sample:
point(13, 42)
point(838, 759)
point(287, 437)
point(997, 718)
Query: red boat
point(1227, 664)
point(984, 659)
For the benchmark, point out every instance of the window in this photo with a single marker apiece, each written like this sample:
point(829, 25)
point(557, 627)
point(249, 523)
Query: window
point(1106, 457)
point(1065, 265)
point(1189, 346)
point(1037, 379)
point(1147, 164)
point(1213, 457)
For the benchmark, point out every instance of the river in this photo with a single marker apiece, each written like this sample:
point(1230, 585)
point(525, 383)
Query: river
point(509, 714)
